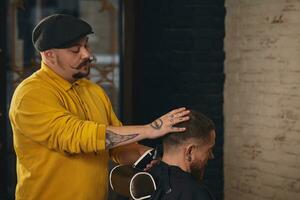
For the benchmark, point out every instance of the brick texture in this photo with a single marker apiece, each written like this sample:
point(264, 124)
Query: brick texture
point(262, 100)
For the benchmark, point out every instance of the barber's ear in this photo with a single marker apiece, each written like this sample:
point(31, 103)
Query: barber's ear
point(49, 55)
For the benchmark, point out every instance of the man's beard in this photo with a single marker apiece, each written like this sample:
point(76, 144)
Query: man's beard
point(80, 75)
point(197, 170)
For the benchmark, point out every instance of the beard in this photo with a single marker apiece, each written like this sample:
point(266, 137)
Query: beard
point(197, 170)
point(79, 75)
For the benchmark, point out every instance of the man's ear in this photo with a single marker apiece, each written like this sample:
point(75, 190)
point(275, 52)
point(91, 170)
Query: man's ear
point(189, 152)
point(48, 56)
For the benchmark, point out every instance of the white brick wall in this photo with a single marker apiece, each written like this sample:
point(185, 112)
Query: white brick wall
point(262, 100)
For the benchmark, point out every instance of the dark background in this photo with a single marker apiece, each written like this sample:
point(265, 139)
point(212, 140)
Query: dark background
point(179, 61)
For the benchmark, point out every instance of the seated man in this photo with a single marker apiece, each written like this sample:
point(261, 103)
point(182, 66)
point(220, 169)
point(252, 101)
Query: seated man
point(184, 159)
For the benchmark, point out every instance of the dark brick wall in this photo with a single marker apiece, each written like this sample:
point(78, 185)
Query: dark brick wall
point(179, 62)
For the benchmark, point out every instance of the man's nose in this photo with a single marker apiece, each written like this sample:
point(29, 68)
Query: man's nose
point(85, 53)
point(211, 155)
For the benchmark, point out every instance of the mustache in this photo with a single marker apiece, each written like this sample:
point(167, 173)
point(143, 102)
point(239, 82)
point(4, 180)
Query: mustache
point(85, 62)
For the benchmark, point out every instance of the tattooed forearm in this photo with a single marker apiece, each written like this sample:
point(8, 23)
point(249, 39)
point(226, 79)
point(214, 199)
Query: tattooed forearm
point(113, 139)
point(157, 124)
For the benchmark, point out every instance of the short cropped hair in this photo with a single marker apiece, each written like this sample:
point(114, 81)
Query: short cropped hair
point(197, 127)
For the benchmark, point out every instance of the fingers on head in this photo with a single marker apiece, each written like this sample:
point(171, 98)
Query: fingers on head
point(178, 110)
point(178, 129)
point(181, 119)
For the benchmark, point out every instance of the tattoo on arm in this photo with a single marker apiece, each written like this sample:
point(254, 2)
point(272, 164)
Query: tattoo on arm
point(157, 124)
point(113, 139)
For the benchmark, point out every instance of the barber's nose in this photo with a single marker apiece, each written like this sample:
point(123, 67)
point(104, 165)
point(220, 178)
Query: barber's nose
point(211, 155)
point(85, 53)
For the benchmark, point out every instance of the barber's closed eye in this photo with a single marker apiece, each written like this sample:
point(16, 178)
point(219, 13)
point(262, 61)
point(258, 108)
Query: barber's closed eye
point(75, 50)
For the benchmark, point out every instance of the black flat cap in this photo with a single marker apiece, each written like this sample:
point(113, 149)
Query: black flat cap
point(59, 31)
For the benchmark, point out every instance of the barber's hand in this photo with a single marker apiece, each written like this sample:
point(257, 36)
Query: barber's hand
point(165, 123)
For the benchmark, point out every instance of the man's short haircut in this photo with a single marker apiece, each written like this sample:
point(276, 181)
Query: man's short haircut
point(198, 127)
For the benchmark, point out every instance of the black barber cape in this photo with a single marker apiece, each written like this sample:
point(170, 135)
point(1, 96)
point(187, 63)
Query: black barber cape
point(176, 184)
